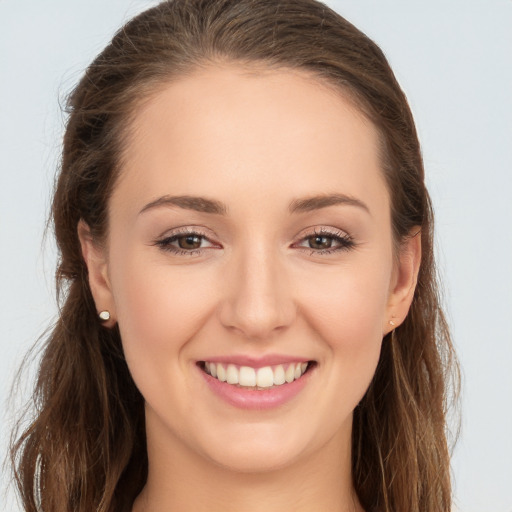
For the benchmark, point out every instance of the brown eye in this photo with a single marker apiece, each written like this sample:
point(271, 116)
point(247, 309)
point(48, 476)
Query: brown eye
point(190, 242)
point(186, 243)
point(320, 242)
point(325, 242)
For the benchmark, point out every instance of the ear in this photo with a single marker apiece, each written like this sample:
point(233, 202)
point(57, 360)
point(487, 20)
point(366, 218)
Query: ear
point(97, 266)
point(405, 278)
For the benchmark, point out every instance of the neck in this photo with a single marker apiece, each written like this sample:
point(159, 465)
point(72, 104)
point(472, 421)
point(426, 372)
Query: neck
point(180, 479)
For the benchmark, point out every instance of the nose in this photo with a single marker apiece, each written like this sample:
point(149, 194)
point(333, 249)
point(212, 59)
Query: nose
point(257, 300)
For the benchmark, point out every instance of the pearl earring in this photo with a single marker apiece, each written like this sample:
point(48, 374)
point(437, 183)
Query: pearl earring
point(104, 315)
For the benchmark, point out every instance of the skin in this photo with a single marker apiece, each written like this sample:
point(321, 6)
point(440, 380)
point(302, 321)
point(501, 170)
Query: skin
point(255, 140)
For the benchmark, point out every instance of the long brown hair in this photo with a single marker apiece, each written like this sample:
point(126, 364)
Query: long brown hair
point(84, 449)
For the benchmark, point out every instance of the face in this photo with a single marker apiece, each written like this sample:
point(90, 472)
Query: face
point(250, 238)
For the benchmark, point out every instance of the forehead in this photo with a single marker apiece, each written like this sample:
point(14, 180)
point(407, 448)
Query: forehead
point(261, 131)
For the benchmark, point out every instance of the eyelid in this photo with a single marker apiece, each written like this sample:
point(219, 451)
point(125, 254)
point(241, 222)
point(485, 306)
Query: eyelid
point(323, 231)
point(188, 229)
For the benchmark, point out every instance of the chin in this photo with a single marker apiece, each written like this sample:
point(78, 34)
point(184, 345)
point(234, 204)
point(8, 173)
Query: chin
point(247, 460)
point(258, 450)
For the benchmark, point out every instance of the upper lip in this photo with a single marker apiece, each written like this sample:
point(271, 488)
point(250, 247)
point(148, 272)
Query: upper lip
point(256, 361)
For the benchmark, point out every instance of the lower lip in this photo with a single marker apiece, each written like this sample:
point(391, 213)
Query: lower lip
point(256, 399)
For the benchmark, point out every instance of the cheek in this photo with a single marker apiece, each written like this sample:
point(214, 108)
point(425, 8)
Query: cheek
point(349, 304)
point(159, 310)
point(346, 310)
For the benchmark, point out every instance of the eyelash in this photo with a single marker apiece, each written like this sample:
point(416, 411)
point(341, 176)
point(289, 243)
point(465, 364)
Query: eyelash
point(345, 242)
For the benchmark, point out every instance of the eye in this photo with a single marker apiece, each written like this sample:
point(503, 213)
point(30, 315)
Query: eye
point(325, 241)
point(322, 241)
point(189, 241)
point(185, 243)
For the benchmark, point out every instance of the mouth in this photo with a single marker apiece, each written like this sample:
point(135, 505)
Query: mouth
point(263, 378)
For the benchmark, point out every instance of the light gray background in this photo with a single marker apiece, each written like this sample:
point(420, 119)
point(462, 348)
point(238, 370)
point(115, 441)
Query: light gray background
point(453, 59)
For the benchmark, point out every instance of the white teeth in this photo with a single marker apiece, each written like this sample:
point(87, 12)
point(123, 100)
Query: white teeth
point(279, 375)
point(232, 374)
point(264, 377)
point(247, 376)
point(290, 373)
point(221, 372)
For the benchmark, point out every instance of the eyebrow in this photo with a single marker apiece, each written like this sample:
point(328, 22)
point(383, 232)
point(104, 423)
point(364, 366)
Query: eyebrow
point(205, 205)
point(198, 204)
point(308, 204)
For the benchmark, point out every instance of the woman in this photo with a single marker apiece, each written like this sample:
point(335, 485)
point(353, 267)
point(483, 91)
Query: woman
point(250, 316)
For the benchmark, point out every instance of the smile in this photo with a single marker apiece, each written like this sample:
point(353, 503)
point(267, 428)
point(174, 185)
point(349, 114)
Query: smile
point(256, 378)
